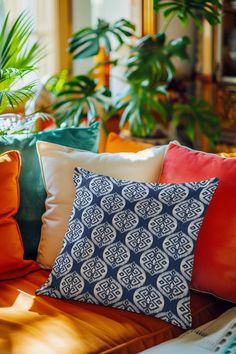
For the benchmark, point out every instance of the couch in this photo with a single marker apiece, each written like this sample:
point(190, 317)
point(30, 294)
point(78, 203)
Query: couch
point(36, 324)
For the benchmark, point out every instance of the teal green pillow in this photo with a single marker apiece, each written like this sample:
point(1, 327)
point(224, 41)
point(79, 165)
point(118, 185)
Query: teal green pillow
point(32, 193)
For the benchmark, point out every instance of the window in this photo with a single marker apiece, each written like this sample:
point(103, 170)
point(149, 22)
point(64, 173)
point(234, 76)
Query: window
point(52, 28)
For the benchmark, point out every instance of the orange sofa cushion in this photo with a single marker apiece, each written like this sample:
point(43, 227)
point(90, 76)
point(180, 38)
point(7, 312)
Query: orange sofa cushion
point(30, 324)
point(214, 268)
point(115, 143)
point(12, 264)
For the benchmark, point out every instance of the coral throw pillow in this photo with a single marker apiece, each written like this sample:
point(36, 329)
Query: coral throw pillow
point(12, 264)
point(117, 144)
point(215, 261)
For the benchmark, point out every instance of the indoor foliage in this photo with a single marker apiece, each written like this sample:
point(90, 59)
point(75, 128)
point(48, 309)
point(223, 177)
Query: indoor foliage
point(17, 59)
point(150, 71)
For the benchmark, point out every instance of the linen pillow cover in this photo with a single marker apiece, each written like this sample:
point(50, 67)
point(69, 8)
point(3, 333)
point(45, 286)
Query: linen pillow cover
point(57, 166)
point(12, 264)
point(130, 245)
point(215, 262)
point(115, 143)
point(32, 203)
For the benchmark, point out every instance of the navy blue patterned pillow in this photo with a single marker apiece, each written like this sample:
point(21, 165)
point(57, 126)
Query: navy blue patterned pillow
point(130, 245)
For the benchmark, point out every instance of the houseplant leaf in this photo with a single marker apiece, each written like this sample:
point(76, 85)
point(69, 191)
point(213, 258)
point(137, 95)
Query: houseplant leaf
point(151, 59)
point(210, 10)
point(87, 42)
point(197, 113)
point(78, 98)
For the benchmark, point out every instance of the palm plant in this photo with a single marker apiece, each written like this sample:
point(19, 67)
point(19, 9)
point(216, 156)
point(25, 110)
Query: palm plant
point(17, 59)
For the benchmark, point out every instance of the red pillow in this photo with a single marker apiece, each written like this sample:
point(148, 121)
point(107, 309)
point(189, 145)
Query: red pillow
point(12, 264)
point(214, 268)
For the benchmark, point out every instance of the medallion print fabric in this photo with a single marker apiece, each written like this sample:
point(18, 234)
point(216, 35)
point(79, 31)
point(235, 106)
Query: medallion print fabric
point(130, 245)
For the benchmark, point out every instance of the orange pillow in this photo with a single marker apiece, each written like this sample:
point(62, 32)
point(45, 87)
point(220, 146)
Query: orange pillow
point(12, 264)
point(214, 268)
point(115, 143)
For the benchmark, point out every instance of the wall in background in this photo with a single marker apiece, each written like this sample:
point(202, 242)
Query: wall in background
point(185, 68)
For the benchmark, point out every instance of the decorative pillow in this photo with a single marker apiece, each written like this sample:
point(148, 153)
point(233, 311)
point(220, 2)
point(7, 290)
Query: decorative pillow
point(32, 204)
point(12, 264)
point(215, 262)
point(130, 245)
point(57, 166)
point(115, 143)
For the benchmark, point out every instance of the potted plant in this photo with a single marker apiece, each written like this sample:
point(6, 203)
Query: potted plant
point(151, 72)
point(149, 97)
point(82, 96)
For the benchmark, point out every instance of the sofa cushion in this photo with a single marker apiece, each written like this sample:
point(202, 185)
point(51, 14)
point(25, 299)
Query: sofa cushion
point(38, 324)
point(57, 165)
point(32, 203)
point(12, 264)
point(130, 245)
point(115, 143)
point(215, 262)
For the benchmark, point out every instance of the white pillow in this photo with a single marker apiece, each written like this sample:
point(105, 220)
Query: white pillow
point(57, 166)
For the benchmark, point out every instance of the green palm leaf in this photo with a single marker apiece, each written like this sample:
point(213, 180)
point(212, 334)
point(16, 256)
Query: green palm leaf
point(17, 59)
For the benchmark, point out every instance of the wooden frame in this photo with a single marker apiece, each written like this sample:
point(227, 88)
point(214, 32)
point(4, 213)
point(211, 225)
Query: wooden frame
point(149, 18)
point(226, 47)
point(64, 32)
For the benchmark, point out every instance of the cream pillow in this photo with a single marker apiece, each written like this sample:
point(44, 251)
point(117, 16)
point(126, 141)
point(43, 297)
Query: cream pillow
point(57, 166)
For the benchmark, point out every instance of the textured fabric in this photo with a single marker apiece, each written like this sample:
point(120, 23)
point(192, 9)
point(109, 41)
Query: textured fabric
point(57, 166)
point(30, 324)
point(215, 262)
point(32, 203)
point(12, 264)
point(130, 245)
point(115, 143)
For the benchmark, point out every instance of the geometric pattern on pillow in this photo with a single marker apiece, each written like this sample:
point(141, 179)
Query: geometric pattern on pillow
point(130, 245)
